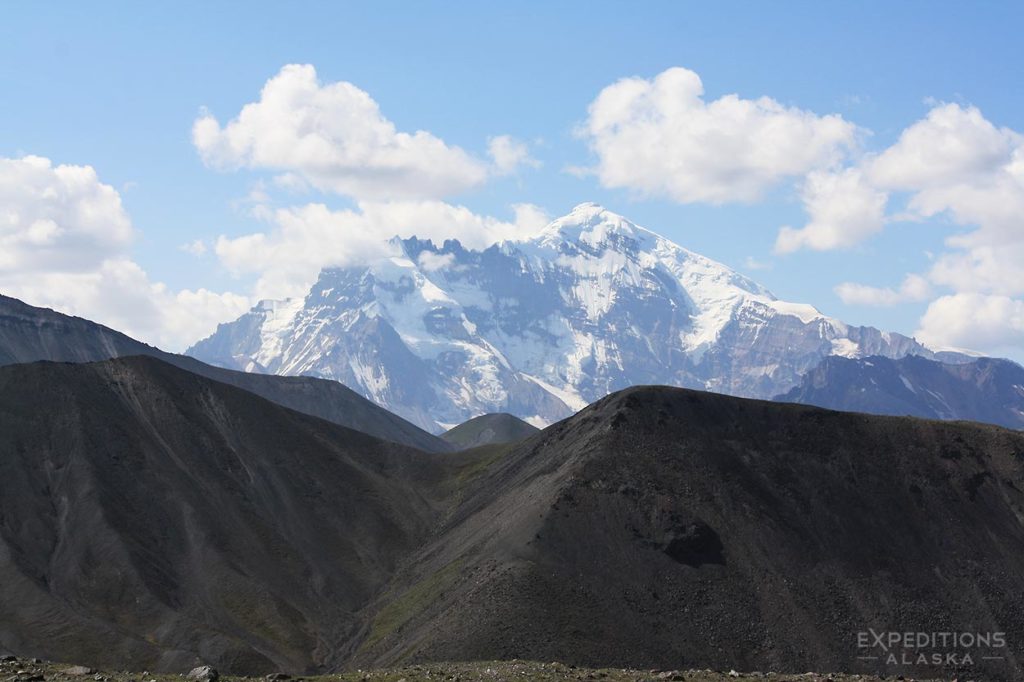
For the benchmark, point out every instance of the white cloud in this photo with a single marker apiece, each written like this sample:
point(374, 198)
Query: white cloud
point(843, 210)
point(954, 168)
point(64, 240)
point(996, 268)
point(196, 247)
point(985, 264)
point(980, 321)
point(303, 240)
point(914, 288)
point(335, 137)
point(953, 162)
point(431, 261)
point(509, 155)
point(951, 145)
point(992, 204)
point(751, 263)
point(959, 165)
point(57, 216)
point(660, 137)
point(119, 294)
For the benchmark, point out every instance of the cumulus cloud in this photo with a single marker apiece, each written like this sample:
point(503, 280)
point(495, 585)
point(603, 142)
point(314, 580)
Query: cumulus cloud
point(196, 247)
point(335, 137)
point(957, 164)
point(993, 205)
point(431, 261)
point(952, 164)
point(305, 239)
point(914, 288)
point(996, 268)
point(509, 155)
point(843, 210)
point(57, 216)
point(660, 137)
point(751, 263)
point(988, 322)
point(64, 240)
point(952, 144)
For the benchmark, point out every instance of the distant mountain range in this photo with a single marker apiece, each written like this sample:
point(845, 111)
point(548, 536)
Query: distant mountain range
point(29, 334)
point(152, 518)
point(983, 390)
point(540, 328)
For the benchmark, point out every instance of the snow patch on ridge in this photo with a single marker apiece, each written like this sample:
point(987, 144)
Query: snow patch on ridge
point(278, 317)
point(805, 313)
point(571, 399)
point(845, 348)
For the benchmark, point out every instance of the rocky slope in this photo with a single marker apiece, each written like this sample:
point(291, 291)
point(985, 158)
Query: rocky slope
point(984, 390)
point(679, 529)
point(28, 334)
point(488, 429)
point(539, 328)
point(151, 517)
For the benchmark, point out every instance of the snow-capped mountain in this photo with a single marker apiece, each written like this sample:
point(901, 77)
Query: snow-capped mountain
point(539, 328)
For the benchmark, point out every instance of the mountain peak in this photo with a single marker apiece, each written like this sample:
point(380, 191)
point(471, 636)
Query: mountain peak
point(587, 207)
point(592, 224)
point(540, 327)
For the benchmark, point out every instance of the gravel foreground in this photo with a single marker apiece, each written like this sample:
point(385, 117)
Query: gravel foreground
point(33, 670)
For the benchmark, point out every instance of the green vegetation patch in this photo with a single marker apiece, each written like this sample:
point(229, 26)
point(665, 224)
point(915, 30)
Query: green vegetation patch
point(483, 457)
point(411, 603)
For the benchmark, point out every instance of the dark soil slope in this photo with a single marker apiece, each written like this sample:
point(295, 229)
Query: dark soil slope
point(669, 528)
point(487, 429)
point(151, 518)
point(28, 334)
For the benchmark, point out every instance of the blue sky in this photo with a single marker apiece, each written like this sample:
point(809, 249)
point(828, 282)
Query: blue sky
point(118, 87)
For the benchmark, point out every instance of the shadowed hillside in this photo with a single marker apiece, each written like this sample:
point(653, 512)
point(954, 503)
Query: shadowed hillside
point(153, 517)
point(670, 528)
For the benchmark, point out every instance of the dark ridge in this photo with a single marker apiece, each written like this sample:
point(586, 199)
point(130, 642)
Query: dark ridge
point(663, 527)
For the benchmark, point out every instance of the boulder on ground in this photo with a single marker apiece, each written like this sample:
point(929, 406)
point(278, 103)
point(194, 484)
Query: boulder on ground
point(203, 673)
point(77, 671)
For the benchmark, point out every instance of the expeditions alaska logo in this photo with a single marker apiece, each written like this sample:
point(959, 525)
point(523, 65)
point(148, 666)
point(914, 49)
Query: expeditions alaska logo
point(931, 648)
